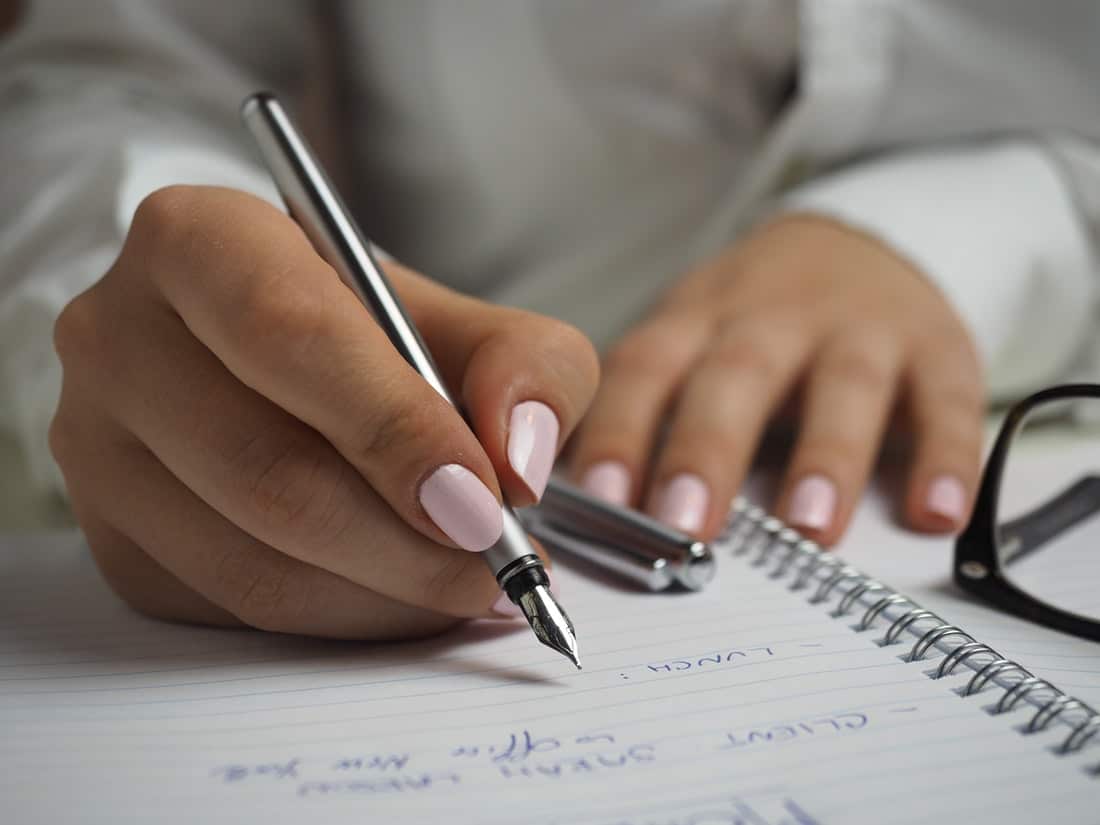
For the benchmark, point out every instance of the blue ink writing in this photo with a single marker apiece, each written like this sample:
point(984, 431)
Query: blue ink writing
point(390, 785)
point(717, 658)
point(837, 723)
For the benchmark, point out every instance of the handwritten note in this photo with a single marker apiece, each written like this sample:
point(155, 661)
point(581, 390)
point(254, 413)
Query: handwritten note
point(744, 704)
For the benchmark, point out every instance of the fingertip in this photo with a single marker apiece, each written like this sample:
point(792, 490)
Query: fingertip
point(608, 481)
point(826, 538)
point(683, 502)
point(939, 505)
point(524, 390)
point(460, 505)
point(814, 506)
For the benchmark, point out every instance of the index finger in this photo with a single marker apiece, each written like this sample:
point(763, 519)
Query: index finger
point(248, 284)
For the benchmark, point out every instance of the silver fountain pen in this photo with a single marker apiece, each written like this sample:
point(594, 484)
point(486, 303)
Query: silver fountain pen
point(318, 209)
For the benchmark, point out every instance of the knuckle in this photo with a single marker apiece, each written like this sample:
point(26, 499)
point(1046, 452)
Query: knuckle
point(654, 347)
point(861, 369)
point(836, 453)
point(948, 347)
point(951, 440)
point(267, 307)
point(631, 353)
point(745, 355)
point(963, 399)
point(266, 595)
point(164, 219)
point(954, 405)
point(400, 430)
point(297, 491)
point(78, 331)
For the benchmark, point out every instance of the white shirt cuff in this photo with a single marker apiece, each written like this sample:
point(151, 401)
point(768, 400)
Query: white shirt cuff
point(995, 228)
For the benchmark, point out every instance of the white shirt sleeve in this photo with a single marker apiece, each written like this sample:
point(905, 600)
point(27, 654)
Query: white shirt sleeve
point(92, 119)
point(971, 136)
point(996, 228)
point(65, 240)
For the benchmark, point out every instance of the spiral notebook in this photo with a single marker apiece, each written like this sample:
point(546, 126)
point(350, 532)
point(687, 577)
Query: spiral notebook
point(771, 698)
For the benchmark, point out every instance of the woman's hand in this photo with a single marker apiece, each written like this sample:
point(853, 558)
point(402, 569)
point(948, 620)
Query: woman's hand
point(801, 304)
point(242, 444)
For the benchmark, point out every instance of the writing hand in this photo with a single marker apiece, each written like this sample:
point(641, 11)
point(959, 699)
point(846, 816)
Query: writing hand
point(242, 444)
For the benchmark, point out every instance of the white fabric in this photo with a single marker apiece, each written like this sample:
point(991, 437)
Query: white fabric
point(574, 157)
point(999, 231)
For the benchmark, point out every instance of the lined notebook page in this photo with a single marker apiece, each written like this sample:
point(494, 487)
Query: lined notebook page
point(744, 704)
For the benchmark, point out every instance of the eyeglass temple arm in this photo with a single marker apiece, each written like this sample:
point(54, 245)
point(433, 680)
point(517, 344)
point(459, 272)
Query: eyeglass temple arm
point(1032, 530)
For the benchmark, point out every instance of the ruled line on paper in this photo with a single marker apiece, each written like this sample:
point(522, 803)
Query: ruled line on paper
point(156, 633)
point(699, 654)
point(446, 692)
point(360, 656)
point(945, 696)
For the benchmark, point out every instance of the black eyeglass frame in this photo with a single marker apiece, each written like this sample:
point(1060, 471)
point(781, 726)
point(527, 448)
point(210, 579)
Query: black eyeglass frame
point(978, 569)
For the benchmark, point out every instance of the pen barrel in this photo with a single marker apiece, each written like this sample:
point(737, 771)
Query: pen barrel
point(313, 202)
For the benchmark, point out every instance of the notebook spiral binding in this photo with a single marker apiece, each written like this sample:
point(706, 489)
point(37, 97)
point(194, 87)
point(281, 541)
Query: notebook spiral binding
point(762, 539)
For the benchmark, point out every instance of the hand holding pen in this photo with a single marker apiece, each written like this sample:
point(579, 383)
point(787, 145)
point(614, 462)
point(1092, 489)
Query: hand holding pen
point(314, 203)
point(242, 444)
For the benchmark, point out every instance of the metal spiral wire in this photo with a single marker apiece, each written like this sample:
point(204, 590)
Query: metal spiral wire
point(764, 539)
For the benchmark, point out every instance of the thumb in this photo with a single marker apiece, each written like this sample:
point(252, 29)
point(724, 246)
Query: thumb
point(523, 379)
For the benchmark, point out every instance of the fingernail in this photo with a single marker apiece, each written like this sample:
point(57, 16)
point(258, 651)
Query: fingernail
point(504, 606)
point(462, 507)
point(813, 503)
point(946, 498)
point(683, 502)
point(532, 444)
point(608, 480)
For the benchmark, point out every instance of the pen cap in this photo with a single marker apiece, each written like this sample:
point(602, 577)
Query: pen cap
point(575, 512)
point(652, 573)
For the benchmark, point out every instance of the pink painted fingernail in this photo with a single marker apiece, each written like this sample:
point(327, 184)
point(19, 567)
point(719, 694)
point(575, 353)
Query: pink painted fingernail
point(532, 444)
point(462, 507)
point(608, 480)
point(813, 503)
point(683, 503)
point(946, 498)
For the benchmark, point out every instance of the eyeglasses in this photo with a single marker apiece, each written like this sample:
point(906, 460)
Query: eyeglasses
point(1032, 546)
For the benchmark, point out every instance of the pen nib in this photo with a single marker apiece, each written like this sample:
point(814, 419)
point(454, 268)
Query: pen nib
point(549, 622)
